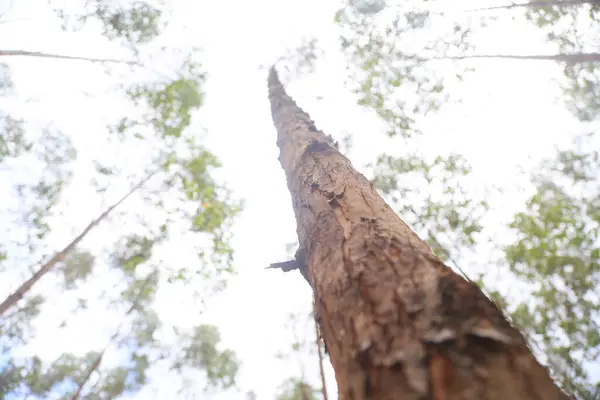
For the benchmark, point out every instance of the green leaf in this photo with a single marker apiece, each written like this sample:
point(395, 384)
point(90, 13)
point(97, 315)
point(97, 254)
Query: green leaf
point(77, 266)
point(220, 366)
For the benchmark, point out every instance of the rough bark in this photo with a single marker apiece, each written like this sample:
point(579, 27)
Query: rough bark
point(397, 322)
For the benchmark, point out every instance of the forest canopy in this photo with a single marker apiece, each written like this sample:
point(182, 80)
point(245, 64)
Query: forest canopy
point(142, 197)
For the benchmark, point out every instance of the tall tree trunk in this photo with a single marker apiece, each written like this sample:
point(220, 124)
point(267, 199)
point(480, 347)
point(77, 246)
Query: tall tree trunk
point(397, 323)
point(575, 58)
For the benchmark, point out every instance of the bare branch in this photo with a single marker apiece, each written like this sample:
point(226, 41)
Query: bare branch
point(4, 53)
point(535, 4)
point(575, 58)
point(567, 58)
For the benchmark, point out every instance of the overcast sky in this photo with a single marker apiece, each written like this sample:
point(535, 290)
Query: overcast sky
point(509, 117)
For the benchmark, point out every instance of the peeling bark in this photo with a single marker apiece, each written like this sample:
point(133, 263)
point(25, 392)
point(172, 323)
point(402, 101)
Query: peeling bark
point(396, 321)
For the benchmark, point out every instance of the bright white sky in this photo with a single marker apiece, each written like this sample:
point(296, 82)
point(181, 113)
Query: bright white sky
point(508, 118)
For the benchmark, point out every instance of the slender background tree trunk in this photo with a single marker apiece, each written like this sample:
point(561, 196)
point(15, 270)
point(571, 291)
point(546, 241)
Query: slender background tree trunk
point(24, 53)
point(26, 286)
point(397, 322)
point(538, 4)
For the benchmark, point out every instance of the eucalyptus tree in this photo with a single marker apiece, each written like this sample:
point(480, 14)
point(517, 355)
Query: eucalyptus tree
point(103, 227)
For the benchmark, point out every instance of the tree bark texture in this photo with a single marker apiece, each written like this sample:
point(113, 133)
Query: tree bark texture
point(397, 323)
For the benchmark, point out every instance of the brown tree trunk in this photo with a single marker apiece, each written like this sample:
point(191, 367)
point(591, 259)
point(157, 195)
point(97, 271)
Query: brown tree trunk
point(398, 324)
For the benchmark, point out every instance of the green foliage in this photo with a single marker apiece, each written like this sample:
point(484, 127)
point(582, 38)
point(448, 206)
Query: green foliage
point(558, 249)
point(6, 81)
point(133, 251)
point(396, 68)
point(38, 190)
point(387, 73)
point(295, 389)
point(114, 384)
point(10, 376)
point(135, 254)
point(201, 351)
point(170, 103)
point(17, 329)
point(570, 26)
point(301, 60)
point(13, 142)
point(433, 199)
point(42, 379)
point(583, 90)
point(78, 266)
point(137, 22)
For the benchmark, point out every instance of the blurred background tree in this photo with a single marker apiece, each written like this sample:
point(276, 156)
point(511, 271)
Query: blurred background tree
point(120, 263)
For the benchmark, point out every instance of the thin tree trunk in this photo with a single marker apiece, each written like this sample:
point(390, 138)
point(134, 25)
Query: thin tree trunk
point(567, 58)
point(18, 294)
point(4, 53)
point(536, 4)
point(305, 390)
point(88, 375)
point(98, 361)
point(398, 324)
point(574, 58)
